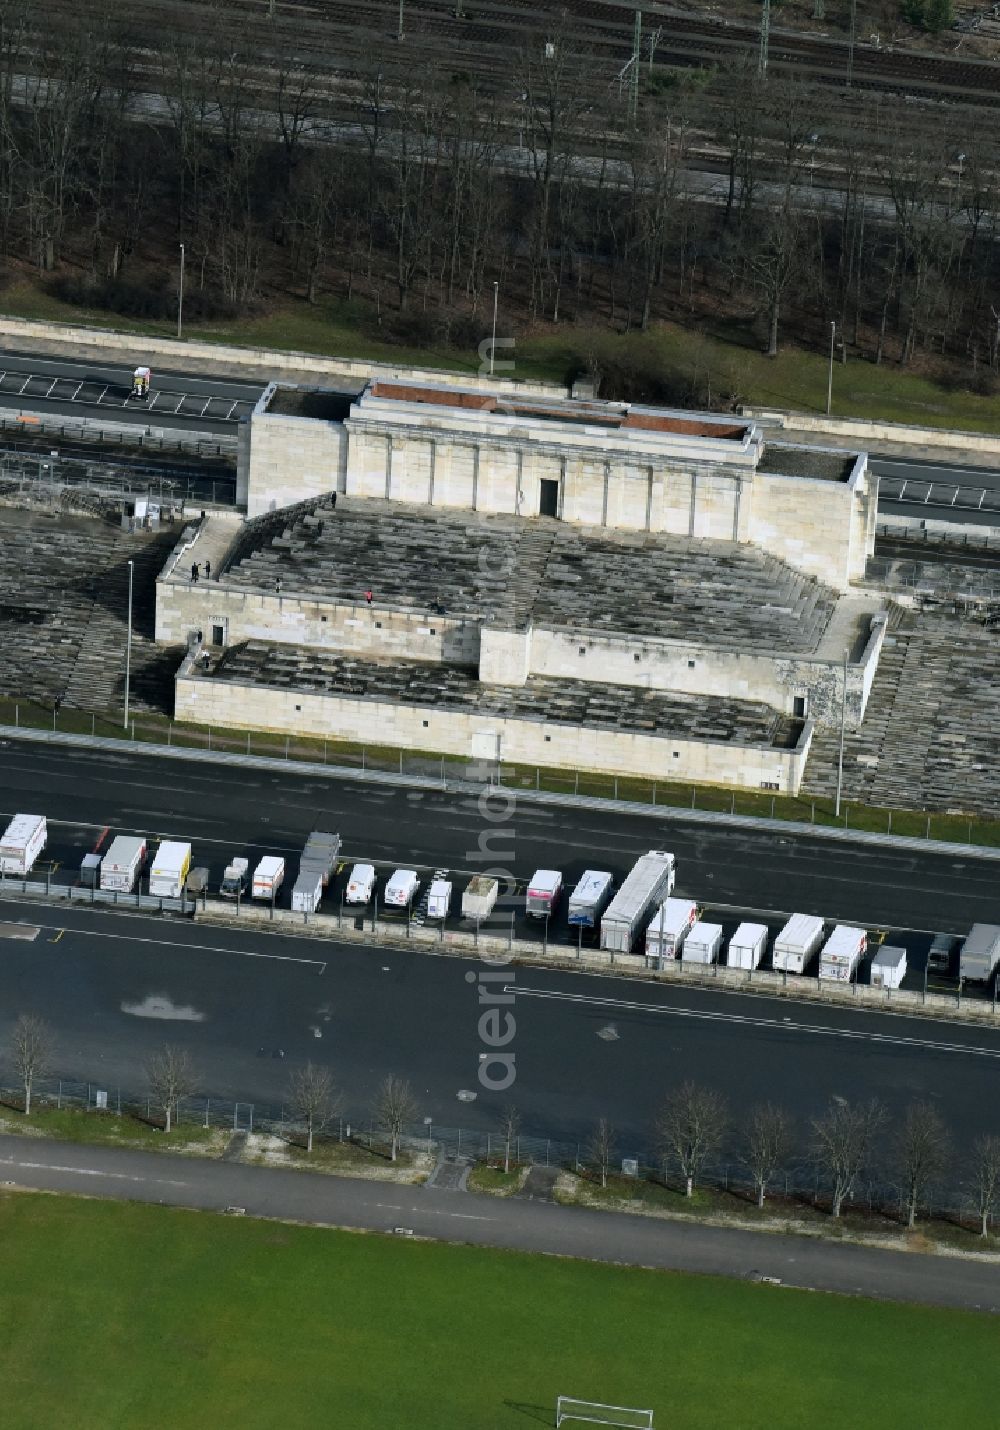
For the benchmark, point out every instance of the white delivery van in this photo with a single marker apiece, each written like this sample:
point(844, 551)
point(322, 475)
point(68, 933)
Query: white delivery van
point(121, 866)
point(543, 892)
point(22, 842)
point(666, 934)
point(400, 889)
point(439, 899)
point(797, 942)
point(268, 877)
point(702, 943)
point(169, 869)
point(360, 884)
point(747, 946)
point(479, 897)
point(842, 953)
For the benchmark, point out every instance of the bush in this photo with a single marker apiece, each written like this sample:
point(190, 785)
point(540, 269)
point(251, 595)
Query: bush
point(148, 298)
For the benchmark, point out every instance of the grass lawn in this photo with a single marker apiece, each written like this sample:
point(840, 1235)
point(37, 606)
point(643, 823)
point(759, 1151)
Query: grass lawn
point(128, 1316)
point(795, 379)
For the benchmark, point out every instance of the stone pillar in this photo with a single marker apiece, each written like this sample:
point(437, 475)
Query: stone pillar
point(504, 655)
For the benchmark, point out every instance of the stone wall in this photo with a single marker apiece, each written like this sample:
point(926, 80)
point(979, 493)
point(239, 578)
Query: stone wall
point(824, 528)
point(226, 703)
point(509, 657)
point(292, 459)
point(858, 432)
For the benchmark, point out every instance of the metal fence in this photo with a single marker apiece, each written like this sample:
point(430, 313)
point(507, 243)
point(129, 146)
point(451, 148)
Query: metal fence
point(800, 1181)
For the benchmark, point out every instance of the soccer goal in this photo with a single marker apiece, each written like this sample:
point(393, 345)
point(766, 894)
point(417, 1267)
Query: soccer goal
point(592, 1412)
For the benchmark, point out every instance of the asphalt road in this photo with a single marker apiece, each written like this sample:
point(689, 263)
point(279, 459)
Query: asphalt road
point(68, 388)
point(508, 1223)
point(938, 492)
point(115, 986)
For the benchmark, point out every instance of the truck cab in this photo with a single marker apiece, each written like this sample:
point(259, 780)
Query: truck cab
point(234, 880)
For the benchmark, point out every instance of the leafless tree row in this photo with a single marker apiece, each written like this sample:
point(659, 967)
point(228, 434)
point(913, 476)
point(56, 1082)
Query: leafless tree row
point(847, 1144)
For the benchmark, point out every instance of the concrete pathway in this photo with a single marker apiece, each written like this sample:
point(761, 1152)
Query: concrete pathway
point(509, 1223)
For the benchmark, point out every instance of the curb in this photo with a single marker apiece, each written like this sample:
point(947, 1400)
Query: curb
point(675, 813)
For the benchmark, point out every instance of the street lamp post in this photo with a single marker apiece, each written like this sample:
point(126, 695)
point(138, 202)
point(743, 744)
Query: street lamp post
point(829, 381)
point(180, 296)
point(128, 644)
point(493, 344)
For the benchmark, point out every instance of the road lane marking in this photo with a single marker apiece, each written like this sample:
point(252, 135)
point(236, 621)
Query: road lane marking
point(784, 1024)
point(90, 1172)
point(197, 947)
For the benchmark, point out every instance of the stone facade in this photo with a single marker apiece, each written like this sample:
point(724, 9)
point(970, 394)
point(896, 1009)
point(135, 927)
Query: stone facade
point(288, 454)
point(226, 703)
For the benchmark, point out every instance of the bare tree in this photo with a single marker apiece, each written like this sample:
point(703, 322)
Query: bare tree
point(394, 1108)
point(510, 1126)
point(171, 1077)
point(986, 1179)
point(30, 1052)
point(313, 1098)
point(601, 1147)
point(767, 1142)
point(841, 1142)
point(921, 1151)
point(690, 1126)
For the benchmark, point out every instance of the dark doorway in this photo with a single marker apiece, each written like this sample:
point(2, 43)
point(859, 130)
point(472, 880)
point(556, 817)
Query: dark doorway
point(800, 706)
point(549, 502)
point(218, 635)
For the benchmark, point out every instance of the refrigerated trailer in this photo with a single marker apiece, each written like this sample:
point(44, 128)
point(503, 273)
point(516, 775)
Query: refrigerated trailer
point(650, 880)
point(669, 928)
point(888, 967)
point(592, 892)
point(121, 866)
point(22, 842)
point(797, 942)
point(747, 946)
point(842, 953)
point(702, 943)
point(169, 869)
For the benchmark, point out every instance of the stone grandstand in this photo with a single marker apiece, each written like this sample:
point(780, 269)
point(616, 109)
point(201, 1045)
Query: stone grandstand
point(571, 704)
point(63, 609)
point(489, 568)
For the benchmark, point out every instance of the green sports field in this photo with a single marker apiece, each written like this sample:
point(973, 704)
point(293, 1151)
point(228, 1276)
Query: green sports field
point(118, 1315)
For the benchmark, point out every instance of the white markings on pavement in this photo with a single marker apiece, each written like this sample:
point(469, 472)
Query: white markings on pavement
point(90, 1172)
point(784, 1024)
point(26, 932)
point(159, 1005)
point(196, 947)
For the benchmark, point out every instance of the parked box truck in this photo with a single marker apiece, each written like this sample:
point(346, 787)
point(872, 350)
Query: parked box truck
point(888, 967)
point(307, 891)
point(235, 878)
point(401, 889)
point(797, 942)
point(543, 893)
point(980, 953)
point(479, 897)
point(323, 851)
point(669, 928)
point(650, 880)
point(439, 899)
point(360, 884)
point(268, 877)
point(121, 866)
point(22, 842)
point(589, 898)
point(169, 869)
point(842, 953)
point(747, 946)
point(702, 942)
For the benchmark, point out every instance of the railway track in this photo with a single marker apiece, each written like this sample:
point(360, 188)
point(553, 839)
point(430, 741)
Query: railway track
point(332, 37)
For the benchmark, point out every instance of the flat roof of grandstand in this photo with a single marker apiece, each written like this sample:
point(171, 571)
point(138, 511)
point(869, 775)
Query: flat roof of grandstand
point(570, 702)
point(817, 462)
point(501, 568)
point(614, 416)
